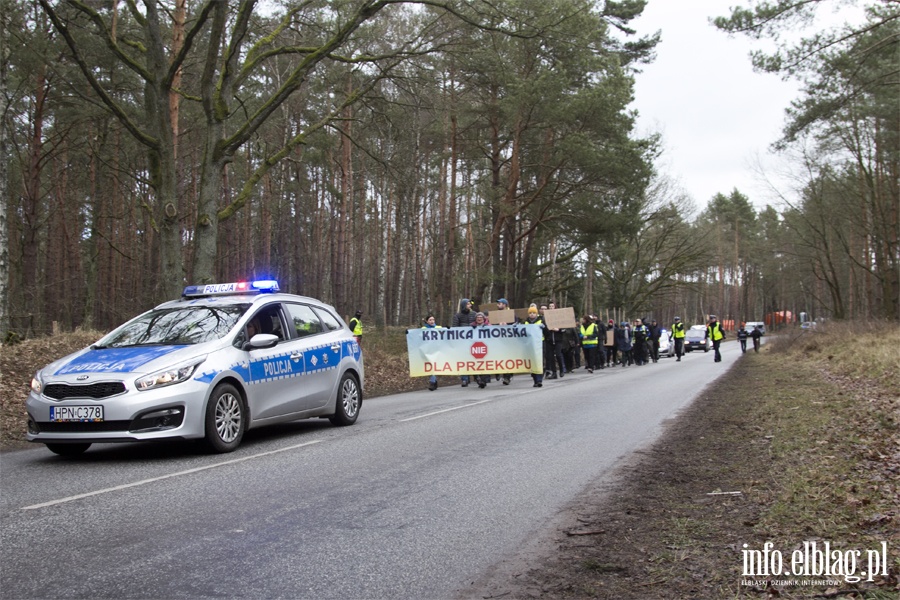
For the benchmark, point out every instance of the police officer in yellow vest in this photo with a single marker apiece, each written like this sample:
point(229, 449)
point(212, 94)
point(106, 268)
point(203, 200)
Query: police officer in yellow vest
point(356, 326)
point(715, 332)
point(678, 336)
point(589, 342)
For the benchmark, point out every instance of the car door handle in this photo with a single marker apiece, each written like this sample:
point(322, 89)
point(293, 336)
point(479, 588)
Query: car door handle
point(336, 347)
point(296, 356)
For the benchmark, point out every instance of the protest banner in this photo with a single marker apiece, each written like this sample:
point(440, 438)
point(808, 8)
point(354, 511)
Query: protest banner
point(494, 349)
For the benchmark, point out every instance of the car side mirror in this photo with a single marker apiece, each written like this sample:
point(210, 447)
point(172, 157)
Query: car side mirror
point(261, 340)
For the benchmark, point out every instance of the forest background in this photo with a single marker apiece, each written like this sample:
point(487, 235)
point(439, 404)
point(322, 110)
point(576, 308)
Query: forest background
point(393, 157)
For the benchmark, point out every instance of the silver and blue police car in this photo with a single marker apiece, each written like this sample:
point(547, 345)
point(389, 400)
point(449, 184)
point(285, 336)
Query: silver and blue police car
point(223, 359)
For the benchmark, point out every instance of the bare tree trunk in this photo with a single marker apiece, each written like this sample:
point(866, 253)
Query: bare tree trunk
point(31, 211)
point(340, 260)
point(5, 12)
point(178, 17)
point(385, 241)
point(451, 282)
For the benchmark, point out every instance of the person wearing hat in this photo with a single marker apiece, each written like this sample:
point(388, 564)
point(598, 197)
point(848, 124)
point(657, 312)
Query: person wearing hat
point(590, 341)
point(742, 335)
point(481, 321)
point(715, 333)
point(356, 326)
point(553, 344)
point(430, 323)
point(640, 341)
point(464, 318)
point(610, 343)
point(678, 336)
point(600, 362)
point(534, 318)
point(503, 304)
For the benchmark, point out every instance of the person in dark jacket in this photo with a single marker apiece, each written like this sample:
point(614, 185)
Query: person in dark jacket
point(640, 338)
point(655, 332)
point(553, 356)
point(678, 337)
point(623, 343)
point(756, 334)
point(601, 337)
point(431, 324)
point(481, 321)
point(503, 304)
point(611, 348)
point(464, 318)
point(590, 341)
point(742, 335)
point(715, 333)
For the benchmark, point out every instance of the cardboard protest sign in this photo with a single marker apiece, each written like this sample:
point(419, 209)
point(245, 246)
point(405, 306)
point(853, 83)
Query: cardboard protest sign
point(496, 317)
point(487, 307)
point(522, 313)
point(610, 338)
point(560, 318)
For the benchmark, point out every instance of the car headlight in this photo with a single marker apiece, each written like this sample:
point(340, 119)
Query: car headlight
point(37, 383)
point(169, 376)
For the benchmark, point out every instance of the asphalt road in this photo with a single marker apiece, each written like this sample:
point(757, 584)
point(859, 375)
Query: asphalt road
point(416, 500)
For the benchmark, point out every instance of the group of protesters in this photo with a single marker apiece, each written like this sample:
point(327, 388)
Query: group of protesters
point(593, 343)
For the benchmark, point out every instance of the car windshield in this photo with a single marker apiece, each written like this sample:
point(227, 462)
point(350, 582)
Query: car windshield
point(175, 326)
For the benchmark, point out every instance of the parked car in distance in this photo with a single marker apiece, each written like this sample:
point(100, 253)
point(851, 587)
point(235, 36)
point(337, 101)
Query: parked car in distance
point(223, 359)
point(751, 325)
point(808, 325)
point(666, 345)
point(695, 339)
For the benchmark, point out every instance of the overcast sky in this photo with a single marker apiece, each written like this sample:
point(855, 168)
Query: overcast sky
point(716, 115)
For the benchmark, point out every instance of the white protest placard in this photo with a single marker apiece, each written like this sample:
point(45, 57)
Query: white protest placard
point(492, 349)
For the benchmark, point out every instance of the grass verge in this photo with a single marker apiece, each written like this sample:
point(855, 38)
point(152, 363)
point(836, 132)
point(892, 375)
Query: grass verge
point(795, 446)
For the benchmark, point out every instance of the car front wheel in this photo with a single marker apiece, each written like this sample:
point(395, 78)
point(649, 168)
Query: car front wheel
point(349, 399)
point(225, 419)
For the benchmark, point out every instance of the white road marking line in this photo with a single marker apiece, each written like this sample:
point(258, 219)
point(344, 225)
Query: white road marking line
point(437, 412)
point(152, 479)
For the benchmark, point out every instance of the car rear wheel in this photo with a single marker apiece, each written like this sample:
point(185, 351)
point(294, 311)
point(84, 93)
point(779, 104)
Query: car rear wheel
point(68, 449)
point(349, 399)
point(225, 419)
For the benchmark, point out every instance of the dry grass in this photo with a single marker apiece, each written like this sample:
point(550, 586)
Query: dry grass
point(18, 364)
point(867, 350)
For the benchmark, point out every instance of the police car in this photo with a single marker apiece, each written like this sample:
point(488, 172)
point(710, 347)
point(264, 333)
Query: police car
point(223, 359)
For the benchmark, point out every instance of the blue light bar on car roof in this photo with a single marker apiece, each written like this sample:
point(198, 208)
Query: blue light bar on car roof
point(225, 289)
